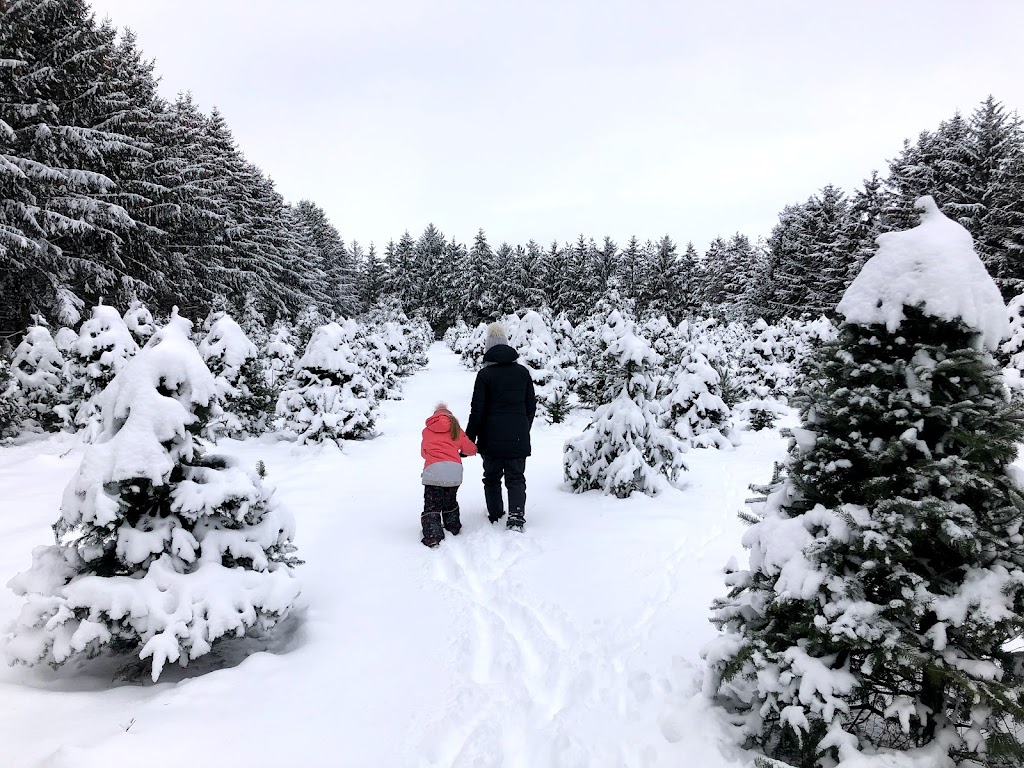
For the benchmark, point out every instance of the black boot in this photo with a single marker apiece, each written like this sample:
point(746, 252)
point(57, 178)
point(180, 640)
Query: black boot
point(495, 503)
point(452, 523)
point(516, 519)
point(433, 532)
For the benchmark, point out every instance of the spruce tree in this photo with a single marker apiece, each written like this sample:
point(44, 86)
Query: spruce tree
point(669, 280)
point(103, 347)
point(37, 384)
point(331, 257)
point(884, 582)
point(372, 279)
point(59, 231)
point(160, 547)
point(625, 449)
point(329, 397)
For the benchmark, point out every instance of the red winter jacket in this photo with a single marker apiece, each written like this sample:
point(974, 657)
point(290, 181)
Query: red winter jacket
point(437, 442)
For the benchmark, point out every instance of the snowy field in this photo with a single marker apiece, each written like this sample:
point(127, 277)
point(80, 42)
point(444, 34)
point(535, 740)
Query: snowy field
point(573, 644)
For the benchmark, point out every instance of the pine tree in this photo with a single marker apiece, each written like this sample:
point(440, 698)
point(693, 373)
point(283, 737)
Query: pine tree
point(59, 234)
point(332, 258)
point(559, 278)
point(194, 544)
point(11, 415)
point(139, 321)
point(244, 401)
point(625, 449)
point(633, 267)
point(481, 303)
point(329, 398)
point(668, 280)
point(372, 279)
point(103, 347)
point(534, 265)
point(539, 354)
point(401, 271)
point(438, 274)
point(692, 408)
point(598, 372)
point(36, 383)
point(884, 580)
point(605, 266)
point(729, 268)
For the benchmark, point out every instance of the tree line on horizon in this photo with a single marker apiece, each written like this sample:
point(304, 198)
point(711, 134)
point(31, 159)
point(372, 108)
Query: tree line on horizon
point(111, 193)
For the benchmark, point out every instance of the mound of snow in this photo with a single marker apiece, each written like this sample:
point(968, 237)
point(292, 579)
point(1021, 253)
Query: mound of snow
point(933, 266)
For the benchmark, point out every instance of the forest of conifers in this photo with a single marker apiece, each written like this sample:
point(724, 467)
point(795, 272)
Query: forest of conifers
point(111, 192)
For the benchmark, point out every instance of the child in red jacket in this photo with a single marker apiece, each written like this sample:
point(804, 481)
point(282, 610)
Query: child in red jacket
point(444, 443)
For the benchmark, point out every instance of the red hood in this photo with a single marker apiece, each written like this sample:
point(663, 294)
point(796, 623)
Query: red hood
point(439, 422)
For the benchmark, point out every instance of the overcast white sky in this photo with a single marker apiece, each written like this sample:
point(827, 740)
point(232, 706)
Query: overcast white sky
point(550, 118)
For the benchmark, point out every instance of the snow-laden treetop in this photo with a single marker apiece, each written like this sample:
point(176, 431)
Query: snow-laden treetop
point(933, 266)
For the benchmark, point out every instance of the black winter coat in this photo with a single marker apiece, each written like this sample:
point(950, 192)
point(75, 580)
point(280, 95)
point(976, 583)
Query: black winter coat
point(504, 405)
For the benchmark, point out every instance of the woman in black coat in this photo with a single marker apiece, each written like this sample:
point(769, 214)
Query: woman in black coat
point(500, 418)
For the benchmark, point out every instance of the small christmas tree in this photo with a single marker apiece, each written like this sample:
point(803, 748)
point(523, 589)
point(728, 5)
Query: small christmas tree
point(159, 547)
point(10, 413)
point(538, 352)
point(765, 370)
point(693, 407)
point(329, 398)
point(103, 347)
point(598, 371)
point(244, 399)
point(886, 574)
point(279, 357)
point(37, 384)
point(393, 358)
point(625, 449)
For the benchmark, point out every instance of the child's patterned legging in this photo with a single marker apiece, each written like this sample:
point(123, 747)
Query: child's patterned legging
point(440, 513)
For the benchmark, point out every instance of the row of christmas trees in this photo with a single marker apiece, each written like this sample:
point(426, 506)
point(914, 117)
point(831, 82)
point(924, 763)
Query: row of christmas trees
point(164, 546)
point(279, 379)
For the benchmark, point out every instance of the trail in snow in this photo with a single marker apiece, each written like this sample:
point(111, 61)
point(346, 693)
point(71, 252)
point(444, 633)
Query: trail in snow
point(575, 643)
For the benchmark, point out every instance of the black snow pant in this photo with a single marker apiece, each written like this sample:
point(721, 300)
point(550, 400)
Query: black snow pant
point(514, 472)
point(440, 513)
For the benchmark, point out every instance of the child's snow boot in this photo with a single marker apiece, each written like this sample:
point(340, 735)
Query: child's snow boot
point(516, 520)
point(452, 523)
point(433, 532)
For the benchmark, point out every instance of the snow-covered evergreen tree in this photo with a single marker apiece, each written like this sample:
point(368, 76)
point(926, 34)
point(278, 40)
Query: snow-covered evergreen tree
point(598, 371)
point(160, 547)
point(10, 413)
point(394, 359)
point(764, 363)
point(1012, 350)
point(36, 386)
point(539, 353)
point(279, 356)
point(885, 577)
point(625, 448)
point(329, 397)
point(139, 321)
point(693, 408)
point(103, 347)
point(245, 401)
point(564, 336)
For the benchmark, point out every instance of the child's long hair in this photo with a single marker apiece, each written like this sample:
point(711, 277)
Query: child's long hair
point(453, 423)
point(455, 428)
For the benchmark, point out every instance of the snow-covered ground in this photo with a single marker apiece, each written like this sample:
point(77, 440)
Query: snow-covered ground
point(575, 643)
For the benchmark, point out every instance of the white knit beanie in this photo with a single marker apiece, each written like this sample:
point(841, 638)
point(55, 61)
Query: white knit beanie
point(495, 335)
